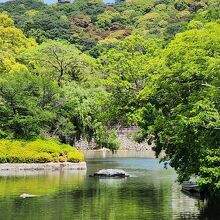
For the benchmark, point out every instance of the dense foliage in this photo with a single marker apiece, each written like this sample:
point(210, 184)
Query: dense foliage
point(49, 90)
point(74, 70)
point(90, 23)
point(183, 112)
point(38, 151)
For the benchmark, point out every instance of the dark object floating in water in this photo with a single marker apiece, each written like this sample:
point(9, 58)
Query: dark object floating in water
point(111, 173)
point(194, 195)
point(25, 195)
point(190, 186)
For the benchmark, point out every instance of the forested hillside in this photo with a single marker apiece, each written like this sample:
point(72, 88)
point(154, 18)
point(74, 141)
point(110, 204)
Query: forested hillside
point(74, 70)
point(92, 25)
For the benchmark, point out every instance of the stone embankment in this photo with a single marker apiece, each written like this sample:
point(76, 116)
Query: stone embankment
point(43, 166)
point(106, 153)
point(125, 137)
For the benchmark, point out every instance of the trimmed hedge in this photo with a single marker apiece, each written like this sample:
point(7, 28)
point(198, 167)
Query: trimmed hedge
point(38, 151)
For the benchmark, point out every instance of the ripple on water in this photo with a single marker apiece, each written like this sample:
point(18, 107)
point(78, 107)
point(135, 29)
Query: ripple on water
point(150, 193)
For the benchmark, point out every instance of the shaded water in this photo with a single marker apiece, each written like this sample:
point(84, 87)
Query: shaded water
point(150, 193)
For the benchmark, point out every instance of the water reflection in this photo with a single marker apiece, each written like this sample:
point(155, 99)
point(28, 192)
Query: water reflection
point(150, 193)
point(26, 173)
point(184, 205)
point(111, 182)
point(38, 182)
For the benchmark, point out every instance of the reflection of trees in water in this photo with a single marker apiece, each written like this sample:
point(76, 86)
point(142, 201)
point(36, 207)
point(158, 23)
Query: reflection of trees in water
point(127, 200)
point(151, 194)
point(195, 208)
point(184, 205)
point(211, 211)
point(134, 198)
point(94, 199)
point(112, 182)
point(48, 187)
point(42, 183)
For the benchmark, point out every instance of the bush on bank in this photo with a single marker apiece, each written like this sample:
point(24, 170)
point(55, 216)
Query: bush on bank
point(38, 151)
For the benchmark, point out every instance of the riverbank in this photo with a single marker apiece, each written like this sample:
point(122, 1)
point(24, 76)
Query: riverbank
point(43, 166)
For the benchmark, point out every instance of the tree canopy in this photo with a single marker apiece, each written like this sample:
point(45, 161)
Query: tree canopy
point(182, 112)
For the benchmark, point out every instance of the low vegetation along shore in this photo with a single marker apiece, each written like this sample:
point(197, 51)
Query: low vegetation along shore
point(38, 151)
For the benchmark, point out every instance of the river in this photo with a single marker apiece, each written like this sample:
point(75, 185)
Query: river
point(150, 193)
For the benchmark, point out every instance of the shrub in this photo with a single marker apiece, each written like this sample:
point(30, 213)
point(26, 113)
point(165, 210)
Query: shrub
point(38, 151)
point(48, 146)
point(62, 159)
point(75, 157)
point(3, 158)
point(42, 158)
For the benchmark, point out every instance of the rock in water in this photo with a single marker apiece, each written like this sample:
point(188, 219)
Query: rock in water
point(111, 173)
point(25, 195)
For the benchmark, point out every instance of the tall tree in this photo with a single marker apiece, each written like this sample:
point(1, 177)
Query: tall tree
point(12, 43)
point(184, 114)
point(62, 61)
point(124, 73)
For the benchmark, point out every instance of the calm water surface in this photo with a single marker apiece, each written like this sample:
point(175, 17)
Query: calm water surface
point(150, 193)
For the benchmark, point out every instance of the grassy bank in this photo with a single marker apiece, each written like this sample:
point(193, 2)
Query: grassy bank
point(38, 151)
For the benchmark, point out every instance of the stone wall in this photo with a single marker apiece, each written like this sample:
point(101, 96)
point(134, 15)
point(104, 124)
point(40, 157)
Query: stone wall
point(125, 136)
point(43, 166)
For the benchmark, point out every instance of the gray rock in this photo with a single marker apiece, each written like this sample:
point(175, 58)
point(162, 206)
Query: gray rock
point(111, 173)
point(25, 195)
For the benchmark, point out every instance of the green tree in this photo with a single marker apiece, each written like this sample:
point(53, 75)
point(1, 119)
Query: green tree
point(124, 68)
point(184, 114)
point(12, 43)
point(27, 105)
point(62, 61)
